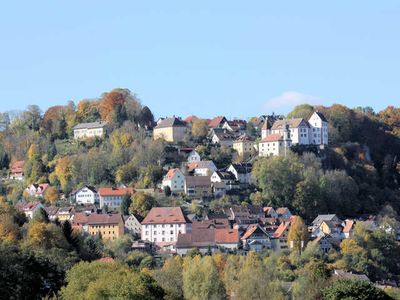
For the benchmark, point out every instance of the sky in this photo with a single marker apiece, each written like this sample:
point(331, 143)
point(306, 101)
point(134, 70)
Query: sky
point(208, 58)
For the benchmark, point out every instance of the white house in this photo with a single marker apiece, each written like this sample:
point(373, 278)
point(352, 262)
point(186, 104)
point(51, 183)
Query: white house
point(193, 156)
point(132, 225)
point(37, 190)
point(274, 144)
point(256, 238)
point(162, 225)
point(175, 180)
point(89, 130)
point(30, 208)
point(87, 195)
point(242, 172)
point(318, 129)
point(202, 168)
point(112, 197)
point(226, 177)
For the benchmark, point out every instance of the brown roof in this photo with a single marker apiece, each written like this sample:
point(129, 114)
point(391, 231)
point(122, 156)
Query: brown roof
point(216, 121)
point(203, 237)
point(251, 229)
point(165, 215)
point(171, 122)
point(281, 229)
point(293, 123)
point(275, 137)
point(226, 235)
point(281, 210)
point(244, 138)
point(190, 119)
point(97, 219)
point(106, 191)
point(214, 223)
point(198, 181)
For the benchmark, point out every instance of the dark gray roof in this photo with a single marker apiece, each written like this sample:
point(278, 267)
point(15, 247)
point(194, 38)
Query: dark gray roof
point(91, 125)
point(321, 218)
point(321, 116)
point(243, 168)
point(171, 122)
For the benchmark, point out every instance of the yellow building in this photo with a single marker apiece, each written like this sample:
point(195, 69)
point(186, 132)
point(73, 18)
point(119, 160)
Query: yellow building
point(243, 145)
point(170, 130)
point(109, 226)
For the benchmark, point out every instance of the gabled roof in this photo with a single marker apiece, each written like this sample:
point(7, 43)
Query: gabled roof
point(244, 138)
point(171, 173)
point(51, 210)
point(165, 215)
point(252, 229)
point(293, 123)
point(320, 218)
point(109, 191)
point(223, 134)
point(92, 125)
point(282, 210)
point(171, 122)
point(321, 115)
point(281, 229)
point(348, 226)
point(27, 206)
point(202, 164)
point(204, 237)
point(243, 168)
point(104, 219)
point(225, 175)
point(275, 137)
point(190, 119)
point(214, 223)
point(217, 121)
point(39, 188)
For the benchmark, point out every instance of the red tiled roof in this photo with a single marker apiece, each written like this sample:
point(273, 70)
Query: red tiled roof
point(190, 119)
point(226, 235)
point(106, 259)
point(96, 219)
point(281, 229)
point(165, 215)
point(273, 138)
point(171, 173)
point(106, 191)
point(216, 121)
point(250, 230)
point(267, 209)
point(29, 205)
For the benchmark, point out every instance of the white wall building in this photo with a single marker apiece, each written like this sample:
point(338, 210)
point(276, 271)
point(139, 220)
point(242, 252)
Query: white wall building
point(275, 144)
point(242, 172)
point(193, 156)
point(175, 180)
point(162, 225)
point(112, 197)
point(87, 195)
point(202, 168)
point(89, 130)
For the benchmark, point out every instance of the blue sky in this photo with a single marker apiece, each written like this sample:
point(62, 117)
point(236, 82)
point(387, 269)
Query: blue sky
point(236, 58)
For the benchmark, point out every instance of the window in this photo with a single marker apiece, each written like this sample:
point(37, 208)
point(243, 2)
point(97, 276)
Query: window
point(155, 232)
point(171, 232)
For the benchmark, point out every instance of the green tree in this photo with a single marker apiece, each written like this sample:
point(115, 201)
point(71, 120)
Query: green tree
point(352, 289)
point(141, 203)
point(170, 278)
point(125, 204)
point(301, 111)
point(298, 234)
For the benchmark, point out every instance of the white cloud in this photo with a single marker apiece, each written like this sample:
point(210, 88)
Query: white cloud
point(288, 100)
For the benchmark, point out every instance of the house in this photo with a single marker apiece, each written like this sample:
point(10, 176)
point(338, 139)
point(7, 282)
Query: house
point(235, 125)
point(217, 223)
point(326, 224)
point(265, 123)
point(255, 238)
point(132, 225)
point(51, 212)
point(175, 180)
point(244, 145)
point(109, 226)
point(222, 137)
point(327, 243)
point(226, 177)
point(197, 186)
point(283, 213)
point(350, 275)
point(65, 213)
point(348, 228)
point(217, 122)
point(208, 240)
point(271, 212)
point(111, 197)
point(37, 190)
point(242, 172)
point(17, 170)
point(86, 195)
point(194, 156)
point(202, 168)
point(243, 215)
point(280, 236)
point(163, 224)
point(90, 130)
point(30, 208)
point(303, 132)
point(170, 130)
point(218, 189)
point(190, 119)
point(275, 144)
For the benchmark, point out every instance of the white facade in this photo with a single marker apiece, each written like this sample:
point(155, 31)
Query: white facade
point(242, 177)
point(193, 156)
point(273, 148)
point(87, 195)
point(89, 130)
point(158, 233)
point(175, 180)
point(318, 130)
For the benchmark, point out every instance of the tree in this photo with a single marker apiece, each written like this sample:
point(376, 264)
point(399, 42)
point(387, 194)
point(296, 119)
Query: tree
point(70, 235)
point(146, 117)
point(141, 203)
point(298, 234)
point(40, 216)
point(170, 278)
point(125, 204)
point(199, 128)
point(301, 111)
point(104, 280)
point(352, 289)
point(51, 195)
point(9, 230)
